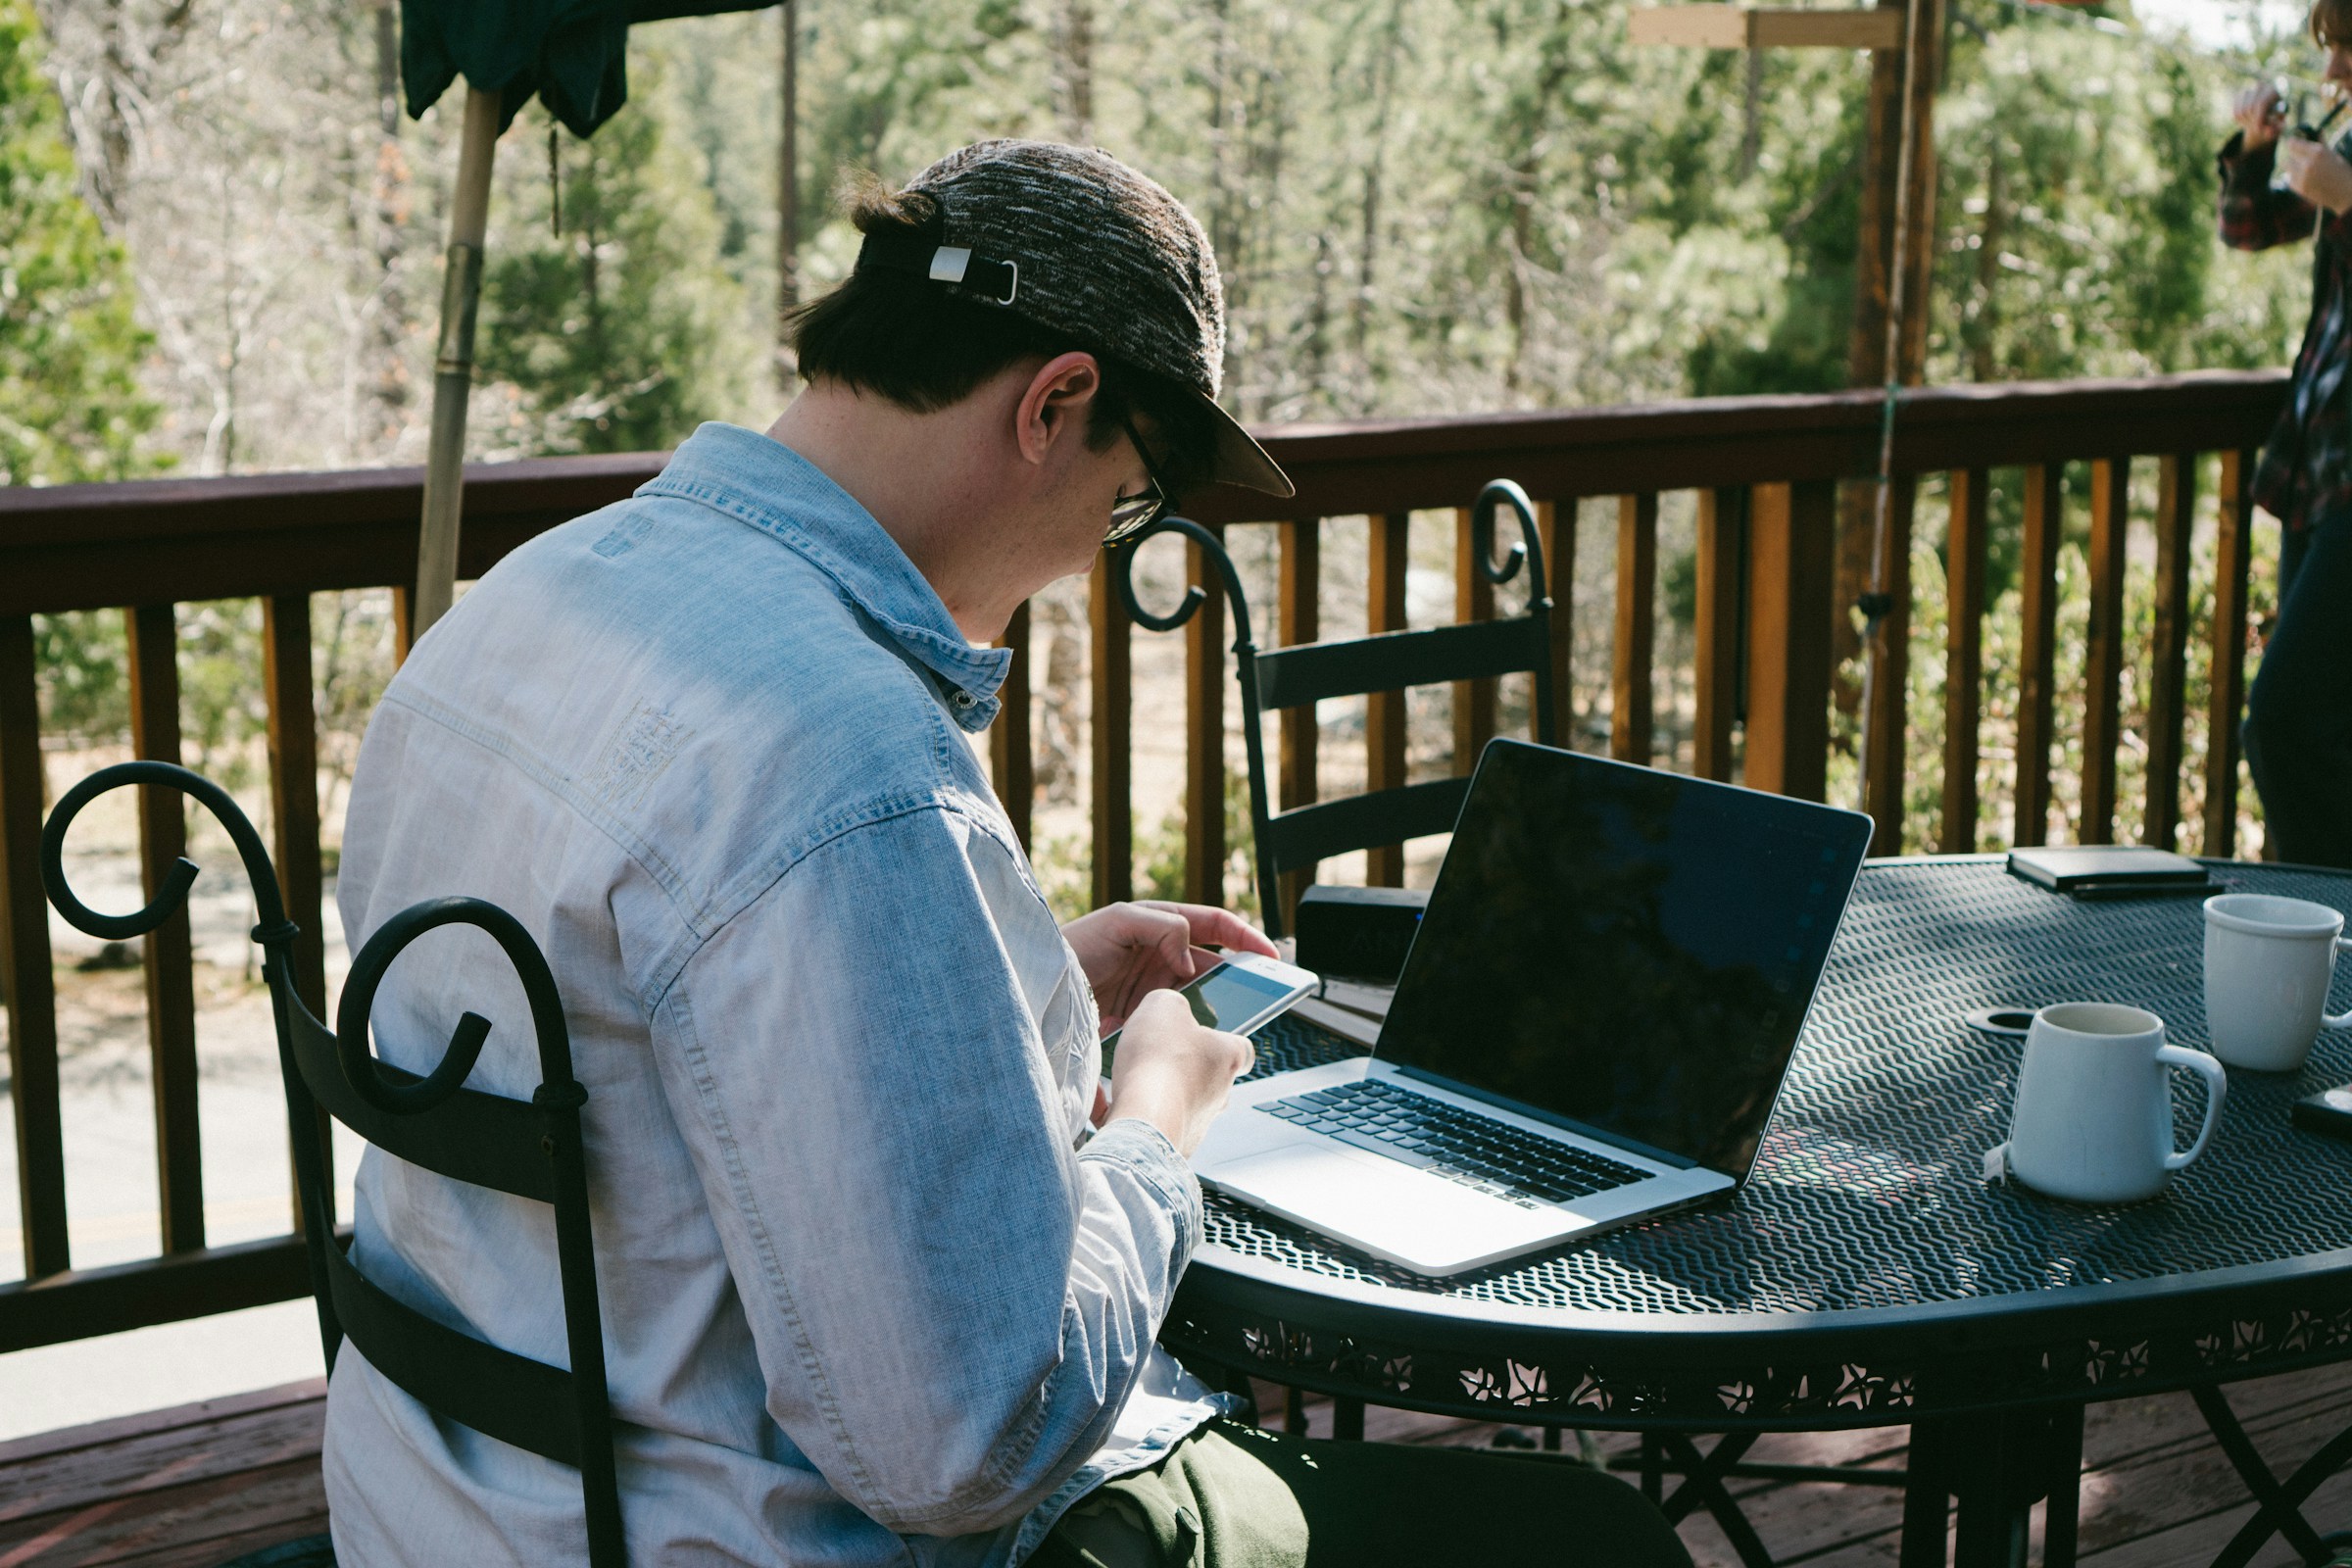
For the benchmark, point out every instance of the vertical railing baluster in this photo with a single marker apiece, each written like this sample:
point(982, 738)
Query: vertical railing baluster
point(1204, 733)
point(1473, 600)
point(1634, 645)
point(1964, 558)
point(170, 949)
point(1302, 622)
point(2232, 559)
point(1012, 756)
point(2167, 683)
point(1556, 525)
point(1715, 662)
point(1391, 535)
point(1792, 543)
point(1890, 676)
point(2037, 659)
point(2103, 655)
point(294, 817)
point(27, 982)
point(1112, 696)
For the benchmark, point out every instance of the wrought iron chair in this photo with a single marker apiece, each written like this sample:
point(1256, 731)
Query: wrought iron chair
point(1302, 676)
point(530, 1148)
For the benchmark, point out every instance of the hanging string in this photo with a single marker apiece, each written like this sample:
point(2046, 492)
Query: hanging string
point(555, 177)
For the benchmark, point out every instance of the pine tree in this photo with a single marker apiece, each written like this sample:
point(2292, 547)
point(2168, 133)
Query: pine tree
point(613, 325)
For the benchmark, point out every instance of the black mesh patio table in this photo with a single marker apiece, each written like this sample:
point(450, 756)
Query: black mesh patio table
point(1867, 1274)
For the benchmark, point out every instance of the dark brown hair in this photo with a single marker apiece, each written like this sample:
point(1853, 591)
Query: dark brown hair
point(2330, 22)
point(924, 347)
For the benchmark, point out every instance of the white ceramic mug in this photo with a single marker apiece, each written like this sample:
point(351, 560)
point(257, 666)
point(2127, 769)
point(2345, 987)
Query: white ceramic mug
point(2093, 1117)
point(2268, 965)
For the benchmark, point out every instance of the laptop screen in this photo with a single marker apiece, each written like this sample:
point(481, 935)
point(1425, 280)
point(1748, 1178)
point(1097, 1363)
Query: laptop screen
point(1624, 951)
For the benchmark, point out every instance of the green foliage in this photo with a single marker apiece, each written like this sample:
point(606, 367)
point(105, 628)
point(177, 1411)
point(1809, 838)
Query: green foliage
point(613, 332)
point(70, 407)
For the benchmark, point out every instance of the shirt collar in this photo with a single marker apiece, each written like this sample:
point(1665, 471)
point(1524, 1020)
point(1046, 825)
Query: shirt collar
point(765, 483)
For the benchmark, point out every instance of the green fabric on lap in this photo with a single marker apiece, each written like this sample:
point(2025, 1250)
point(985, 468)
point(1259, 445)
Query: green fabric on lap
point(1233, 1497)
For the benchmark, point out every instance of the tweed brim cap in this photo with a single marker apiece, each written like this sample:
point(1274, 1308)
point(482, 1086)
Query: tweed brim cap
point(1076, 241)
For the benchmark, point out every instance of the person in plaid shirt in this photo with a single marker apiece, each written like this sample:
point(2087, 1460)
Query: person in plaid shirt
point(2298, 728)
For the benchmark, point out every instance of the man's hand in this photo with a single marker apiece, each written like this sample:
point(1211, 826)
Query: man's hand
point(2317, 174)
point(2256, 110)
point(1172, 1072)
point(1129, 951)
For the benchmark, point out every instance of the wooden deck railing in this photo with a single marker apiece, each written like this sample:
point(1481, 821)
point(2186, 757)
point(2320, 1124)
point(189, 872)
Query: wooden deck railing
point(1766, 472)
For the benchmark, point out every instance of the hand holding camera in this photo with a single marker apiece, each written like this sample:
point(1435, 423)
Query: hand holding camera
point(2260, 113)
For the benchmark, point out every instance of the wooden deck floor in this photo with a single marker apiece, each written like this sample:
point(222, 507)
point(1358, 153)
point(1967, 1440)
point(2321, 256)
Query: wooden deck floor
point(194, 1485)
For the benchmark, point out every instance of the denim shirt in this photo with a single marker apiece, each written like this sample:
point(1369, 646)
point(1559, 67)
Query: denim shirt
point(866, 1297)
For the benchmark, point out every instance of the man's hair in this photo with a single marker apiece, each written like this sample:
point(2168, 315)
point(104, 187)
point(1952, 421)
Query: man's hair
point(924, 347)
point(2330, 22)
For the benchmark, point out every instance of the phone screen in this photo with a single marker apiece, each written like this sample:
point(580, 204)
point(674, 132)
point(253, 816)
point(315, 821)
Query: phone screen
point(1228, 996)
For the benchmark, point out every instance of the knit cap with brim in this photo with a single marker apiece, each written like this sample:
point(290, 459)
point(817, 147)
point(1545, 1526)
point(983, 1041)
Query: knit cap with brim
point(1078, 243)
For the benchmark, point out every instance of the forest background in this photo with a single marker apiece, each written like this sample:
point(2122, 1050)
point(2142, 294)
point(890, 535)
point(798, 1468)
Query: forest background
point(219, 252)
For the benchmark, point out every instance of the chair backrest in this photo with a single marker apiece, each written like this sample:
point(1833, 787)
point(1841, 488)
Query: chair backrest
point(531, 1149)
point(1303, 675)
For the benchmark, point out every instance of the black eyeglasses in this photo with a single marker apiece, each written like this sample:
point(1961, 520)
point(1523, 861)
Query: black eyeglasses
point(1132, 515)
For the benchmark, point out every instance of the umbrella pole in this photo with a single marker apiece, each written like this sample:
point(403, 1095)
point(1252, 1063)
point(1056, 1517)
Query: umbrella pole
point(452, 367)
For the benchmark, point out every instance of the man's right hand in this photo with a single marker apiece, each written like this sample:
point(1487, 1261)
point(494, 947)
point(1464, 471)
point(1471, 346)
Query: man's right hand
point(1174, 1072)
point(2257, 112)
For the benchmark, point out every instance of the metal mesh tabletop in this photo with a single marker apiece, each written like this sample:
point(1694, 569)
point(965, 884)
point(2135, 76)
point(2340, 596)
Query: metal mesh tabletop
point(1868, 1194)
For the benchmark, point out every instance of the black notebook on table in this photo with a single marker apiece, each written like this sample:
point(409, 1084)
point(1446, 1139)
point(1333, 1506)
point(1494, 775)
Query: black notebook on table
point(2111, 871)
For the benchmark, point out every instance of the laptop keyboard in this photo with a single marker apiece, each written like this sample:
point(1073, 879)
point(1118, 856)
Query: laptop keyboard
point(1460, 1145)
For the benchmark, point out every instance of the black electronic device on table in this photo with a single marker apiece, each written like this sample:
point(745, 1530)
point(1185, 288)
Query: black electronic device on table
point(2110, 870)
point(2329, 1111)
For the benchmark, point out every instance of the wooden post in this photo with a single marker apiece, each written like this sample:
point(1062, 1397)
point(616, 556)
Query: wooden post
point(170, 951)
point(1384, 712)
point(1473, 699)
point(2103, 658)
point(27, 982)
point(1715, 672)
point(2232, 565)
point(1204, 735)
point(294, 818)
point(1302, 622)
point(2037, 593)
point(1963, 657)
point(1636, 645)
point(1556, 525)
point(1885, 202)
point(1012, 756)
point(2167, 683)
point(1790, 604)
point(1114, 764)
point(1890, 677)
point(452, 365)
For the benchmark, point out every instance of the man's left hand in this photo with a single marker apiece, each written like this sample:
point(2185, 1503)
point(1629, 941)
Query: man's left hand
point(2319, 174)
point(1129, 951)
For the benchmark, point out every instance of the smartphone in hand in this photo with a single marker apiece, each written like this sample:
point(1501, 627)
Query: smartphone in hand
point(1238, 995)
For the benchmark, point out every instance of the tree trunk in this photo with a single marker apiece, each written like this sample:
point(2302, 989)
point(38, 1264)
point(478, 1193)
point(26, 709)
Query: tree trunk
point(788, 202)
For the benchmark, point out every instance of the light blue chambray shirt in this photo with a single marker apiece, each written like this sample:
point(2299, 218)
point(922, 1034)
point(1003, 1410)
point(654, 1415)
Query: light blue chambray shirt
point(864, 1298)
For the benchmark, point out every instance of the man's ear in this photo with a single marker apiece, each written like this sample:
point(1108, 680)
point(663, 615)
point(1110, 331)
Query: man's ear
point(1056, 404)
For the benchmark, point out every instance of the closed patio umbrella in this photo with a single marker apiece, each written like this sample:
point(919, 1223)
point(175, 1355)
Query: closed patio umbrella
point(573, 55)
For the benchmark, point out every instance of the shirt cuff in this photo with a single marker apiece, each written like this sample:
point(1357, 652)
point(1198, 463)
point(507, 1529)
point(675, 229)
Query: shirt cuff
point(1143, 1150)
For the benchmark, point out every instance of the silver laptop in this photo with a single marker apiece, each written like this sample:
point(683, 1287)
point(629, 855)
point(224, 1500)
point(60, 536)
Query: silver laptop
point(1592, 1027)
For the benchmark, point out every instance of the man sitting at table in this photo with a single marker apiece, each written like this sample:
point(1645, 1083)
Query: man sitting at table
point(881, 1271)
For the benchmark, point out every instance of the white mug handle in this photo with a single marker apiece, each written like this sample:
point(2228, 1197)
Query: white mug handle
point(2217, 1083)
point(2338, 1020)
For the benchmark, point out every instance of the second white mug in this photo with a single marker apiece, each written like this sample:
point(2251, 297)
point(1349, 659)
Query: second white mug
point(2268, 965)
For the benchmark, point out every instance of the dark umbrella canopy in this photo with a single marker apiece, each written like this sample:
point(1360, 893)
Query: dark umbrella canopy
point(572, 53)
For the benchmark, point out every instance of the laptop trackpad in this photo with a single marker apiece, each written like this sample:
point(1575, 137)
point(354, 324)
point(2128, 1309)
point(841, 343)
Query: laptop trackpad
point(1393, 1209)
